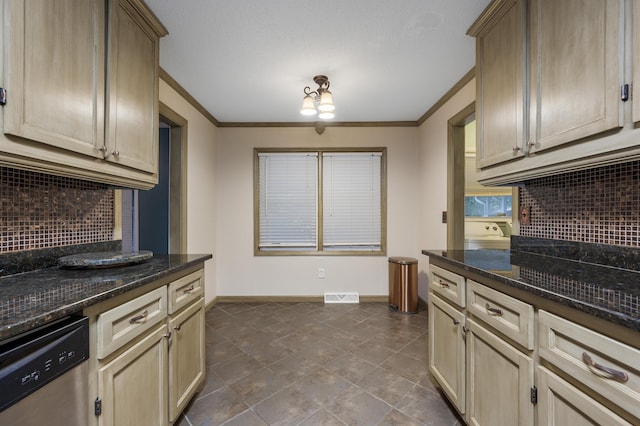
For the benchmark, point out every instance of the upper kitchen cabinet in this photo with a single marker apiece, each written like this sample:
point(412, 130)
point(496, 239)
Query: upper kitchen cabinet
point(132, 86)
point(575, 70)
point(54, 73)
point(562, 68)
point(500, 81)
point(81, 80)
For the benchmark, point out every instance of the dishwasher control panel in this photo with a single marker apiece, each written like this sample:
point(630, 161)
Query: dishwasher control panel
point(36, 358)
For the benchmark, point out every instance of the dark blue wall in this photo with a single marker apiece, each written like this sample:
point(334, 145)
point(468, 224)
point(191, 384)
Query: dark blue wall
point(154, 205)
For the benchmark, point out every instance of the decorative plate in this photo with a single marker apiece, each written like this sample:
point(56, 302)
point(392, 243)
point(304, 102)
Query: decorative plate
point(104, 259)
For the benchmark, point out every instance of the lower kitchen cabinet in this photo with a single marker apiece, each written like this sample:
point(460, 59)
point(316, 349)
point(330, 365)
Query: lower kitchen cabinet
point(489, 365)
point(186, 356)
point(133, 385)
point(484, 376)
point(603, 367)
point(148, 352)
point(499, 380)
point(561, 404)
point(447, 349)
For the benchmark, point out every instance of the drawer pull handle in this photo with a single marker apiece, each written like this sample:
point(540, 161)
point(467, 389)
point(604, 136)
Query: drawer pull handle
point(139, 318)
point(615, 374)
point(493, 311)
point(456, 322)
point(189, 289)
point(444, 284)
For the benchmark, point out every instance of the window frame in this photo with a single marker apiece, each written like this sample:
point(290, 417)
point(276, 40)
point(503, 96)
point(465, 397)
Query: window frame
point(319, 250)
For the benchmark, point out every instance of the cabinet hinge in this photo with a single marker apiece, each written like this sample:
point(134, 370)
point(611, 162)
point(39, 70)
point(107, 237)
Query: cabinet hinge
point(97, 407)
point(625, 92)
point(534, 395)
point(3, 96)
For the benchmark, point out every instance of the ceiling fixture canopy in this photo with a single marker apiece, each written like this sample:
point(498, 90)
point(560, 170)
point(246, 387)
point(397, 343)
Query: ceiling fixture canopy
point(322, 96)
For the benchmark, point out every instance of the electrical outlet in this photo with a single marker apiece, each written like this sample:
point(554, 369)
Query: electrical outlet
point(320, 272)
point(525, 216)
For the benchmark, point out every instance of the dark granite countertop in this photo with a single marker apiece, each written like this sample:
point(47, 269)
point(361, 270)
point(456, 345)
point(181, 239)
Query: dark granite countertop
point(608, 292)
point(31, 299)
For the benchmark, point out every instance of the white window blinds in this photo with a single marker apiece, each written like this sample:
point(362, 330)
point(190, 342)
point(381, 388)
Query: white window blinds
point(352, 201)
point(288, 200)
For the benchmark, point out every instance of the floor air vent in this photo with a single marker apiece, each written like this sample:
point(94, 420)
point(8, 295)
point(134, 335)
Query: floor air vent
point(341, 298)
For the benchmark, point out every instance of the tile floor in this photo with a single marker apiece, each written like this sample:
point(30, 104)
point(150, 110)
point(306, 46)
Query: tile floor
point(316, 364)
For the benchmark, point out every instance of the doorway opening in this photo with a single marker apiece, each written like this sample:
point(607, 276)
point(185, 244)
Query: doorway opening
point(156, 219)
point(478, 216)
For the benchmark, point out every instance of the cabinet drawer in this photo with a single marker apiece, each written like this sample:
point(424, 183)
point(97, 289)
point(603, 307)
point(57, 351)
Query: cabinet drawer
point(447, 285)
point(506, 314)
point(559, 403)
point(586, 356)
point(185, 290)
point(119, 325)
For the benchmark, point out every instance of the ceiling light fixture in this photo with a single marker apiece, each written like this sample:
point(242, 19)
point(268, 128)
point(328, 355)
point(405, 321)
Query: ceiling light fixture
point(322, 96)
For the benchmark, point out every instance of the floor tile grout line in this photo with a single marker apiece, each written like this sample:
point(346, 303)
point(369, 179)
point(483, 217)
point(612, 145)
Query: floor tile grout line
point(382, 322)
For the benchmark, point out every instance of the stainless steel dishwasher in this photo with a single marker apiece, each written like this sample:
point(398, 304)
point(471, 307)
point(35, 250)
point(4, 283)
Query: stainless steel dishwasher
point(43, 375)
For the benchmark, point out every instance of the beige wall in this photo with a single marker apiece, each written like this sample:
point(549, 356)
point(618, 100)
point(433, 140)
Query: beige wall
point(433, 177)
point(240, 273)
point(220, 202)
point(201, 180)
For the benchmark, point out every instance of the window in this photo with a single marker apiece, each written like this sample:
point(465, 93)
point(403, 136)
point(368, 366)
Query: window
point(487, 205)
point(320, 202)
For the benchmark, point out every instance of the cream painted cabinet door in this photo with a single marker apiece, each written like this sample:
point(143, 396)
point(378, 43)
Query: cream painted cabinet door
point(500, 82)
point(499, 380)
point(576, 58)
point(186, 357)
point(54, 65)
point(133, 386)
point(560, 404)
point(447, 349)
point(132, 117)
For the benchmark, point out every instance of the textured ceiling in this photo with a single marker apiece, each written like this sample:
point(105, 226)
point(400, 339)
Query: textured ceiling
point(249, 60)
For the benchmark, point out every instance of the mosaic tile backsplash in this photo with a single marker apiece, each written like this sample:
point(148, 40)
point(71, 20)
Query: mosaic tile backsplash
point(40, 211)
point(593, 206)
point(624, 302)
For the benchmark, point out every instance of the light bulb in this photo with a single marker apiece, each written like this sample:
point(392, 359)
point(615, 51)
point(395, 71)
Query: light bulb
point(308, 108)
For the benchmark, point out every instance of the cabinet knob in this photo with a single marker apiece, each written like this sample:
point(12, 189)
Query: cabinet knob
point(456, 322)
point(167, 335)
point(116, 153)
point(177, 327)
point(516, 148)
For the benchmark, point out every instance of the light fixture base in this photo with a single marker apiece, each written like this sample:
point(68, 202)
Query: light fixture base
point(321, 80)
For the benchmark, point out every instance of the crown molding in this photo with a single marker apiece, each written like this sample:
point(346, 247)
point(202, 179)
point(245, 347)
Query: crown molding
point(326, 123)
point(183, 92)
point(447, 96)
point(444, 99)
